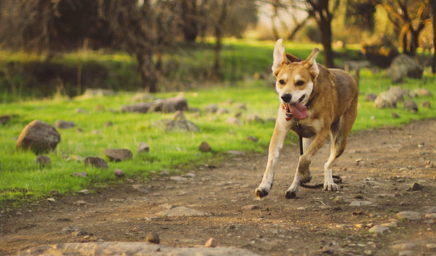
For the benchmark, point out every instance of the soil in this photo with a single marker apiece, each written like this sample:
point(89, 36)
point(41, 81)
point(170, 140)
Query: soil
point(377, 166)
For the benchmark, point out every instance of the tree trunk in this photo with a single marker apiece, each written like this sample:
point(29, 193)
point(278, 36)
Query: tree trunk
point(219, 25)
point(413, 42)
point(326, 40)
point(189, 26)
point(148, 71)
point(433, 65)
point(404, 43)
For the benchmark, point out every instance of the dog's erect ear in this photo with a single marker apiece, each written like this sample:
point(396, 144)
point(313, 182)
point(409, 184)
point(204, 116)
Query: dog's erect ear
point(310, 63)
point(279, 56)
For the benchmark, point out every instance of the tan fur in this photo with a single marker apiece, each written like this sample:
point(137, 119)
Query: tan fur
point(332, 111)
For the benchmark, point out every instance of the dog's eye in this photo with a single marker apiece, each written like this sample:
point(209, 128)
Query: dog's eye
point(282, 81)
point(299, 82)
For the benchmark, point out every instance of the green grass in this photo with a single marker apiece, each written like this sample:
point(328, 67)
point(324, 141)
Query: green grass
point(22, 180)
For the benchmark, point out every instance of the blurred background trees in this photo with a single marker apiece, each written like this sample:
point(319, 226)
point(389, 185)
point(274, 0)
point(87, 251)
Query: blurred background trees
point(155, 32)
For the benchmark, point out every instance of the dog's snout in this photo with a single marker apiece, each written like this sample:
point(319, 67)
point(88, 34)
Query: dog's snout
point(286, 97)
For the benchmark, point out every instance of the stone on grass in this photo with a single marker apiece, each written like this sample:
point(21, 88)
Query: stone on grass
point(252, 138)
point(378, 229)
point(54, 193)
point(204, 147)
point(163, 106)
point(210, 243)
point(211, 108)
point(423, 92)
point(395, 115)
point(222, 111)
point(61, 124)
point(410, 105)
point(370, 97)
point(409, 215)
point(181, 126)
point(385, 100)
point(398, 92)
point(233, 120)
point(118, 155)
point(132, 248)
point(143, 148)
point(39, 137)
point(241, 106)
point(142, 107)
point(153, 237)
point(254, 119)
point(403, 66)
point(81, 110)
point(43, 160)
point(96, 162)
point(119, 173)
point(426, 104)
point(80, 174)
point(182, 211)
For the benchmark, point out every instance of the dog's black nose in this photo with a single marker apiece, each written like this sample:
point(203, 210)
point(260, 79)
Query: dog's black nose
point(286, 97)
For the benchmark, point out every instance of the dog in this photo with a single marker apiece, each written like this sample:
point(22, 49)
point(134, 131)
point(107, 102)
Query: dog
point(315, 103)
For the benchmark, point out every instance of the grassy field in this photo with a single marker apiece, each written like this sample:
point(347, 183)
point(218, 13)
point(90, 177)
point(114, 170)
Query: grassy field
point(22, 180)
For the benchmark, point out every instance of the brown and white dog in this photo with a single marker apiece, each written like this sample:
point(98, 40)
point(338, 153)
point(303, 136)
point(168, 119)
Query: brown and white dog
point(315, 102)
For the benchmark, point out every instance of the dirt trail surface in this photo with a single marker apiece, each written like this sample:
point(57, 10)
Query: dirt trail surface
point(377, 169)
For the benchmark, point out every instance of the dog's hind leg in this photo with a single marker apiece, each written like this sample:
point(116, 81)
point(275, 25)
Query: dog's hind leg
point(293, 189)
point(275, 146)
point(339, 134)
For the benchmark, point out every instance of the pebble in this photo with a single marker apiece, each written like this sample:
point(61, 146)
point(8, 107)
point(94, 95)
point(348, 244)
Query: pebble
point(80, 202)
point(153, 237)
point(119, 173)
point(390, 225)
point(108, 123)
point(84, 191)
point(409, 215)
point(178, 178)
point(54, 193)
point(415, 187)
point(395, 115)
point(301, 208)
point(43, 160)
point(338, 200)
point(210, 243)
point(378, 229)
point(241, 106)
point(80, 174)
point(181, 211)
point(250, 207)
point(252, 138)
point(50, 199)
point(143, 148)
point(362, 203)
point(234, 120)
point(204, 147)
point(404, 246)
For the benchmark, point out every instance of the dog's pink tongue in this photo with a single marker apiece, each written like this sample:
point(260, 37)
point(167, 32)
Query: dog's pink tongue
point(298, 110)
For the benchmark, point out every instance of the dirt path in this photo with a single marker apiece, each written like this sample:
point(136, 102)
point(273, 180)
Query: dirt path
point(390, 160)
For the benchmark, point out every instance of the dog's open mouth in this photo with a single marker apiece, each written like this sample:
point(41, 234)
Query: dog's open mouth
point(297, 109)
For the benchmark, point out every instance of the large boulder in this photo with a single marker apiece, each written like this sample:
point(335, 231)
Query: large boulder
point(385, 100)
point(380, 51)
point(38, 136)
point(398, 93)
point(403, 66)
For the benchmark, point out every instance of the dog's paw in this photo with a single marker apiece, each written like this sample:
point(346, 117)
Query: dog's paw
point(291, 194)
point(331, 186)
point(261, 192)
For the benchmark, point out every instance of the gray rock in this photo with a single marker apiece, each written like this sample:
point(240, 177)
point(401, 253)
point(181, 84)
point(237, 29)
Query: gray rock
point(403, 66)
point(96, 162)
point(415, 187)
point(405, 246)
point(80, 174)
point(236, 152)
point(385, 100)
point(118, 155)
point(250, 207)
point(119, 173)
point(423, 92)
point(362, 203)
point(179, 102)
point(131, 248)
point(163, 106)
point(96, 92)
point(410, 105)
point(426, 104)
point(241, 106)
point(61, 124)
point(211, 108)
point(39, 137)
point(210, 243)
point(204, 147)
point(395, 115)
point(84, 191)
point(222, 111)
point(181, 126)
point(409, 215)
point(143, 148)
point(254, 119)
point(234, 120)
point(182, 211)
point(43, 160)
point(378, 229)
point(137, 108)
point(398, 93)
point(153, 237)
point(178, 178)
point(370, 97)
point(81, 111)
point(252, 138)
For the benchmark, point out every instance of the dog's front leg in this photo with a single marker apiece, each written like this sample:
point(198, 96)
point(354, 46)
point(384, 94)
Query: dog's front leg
point(303, 174)
point(275, 146)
